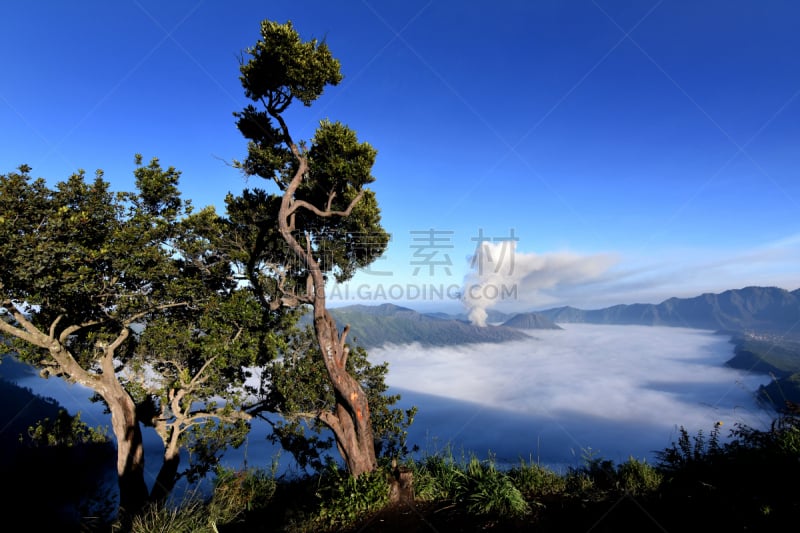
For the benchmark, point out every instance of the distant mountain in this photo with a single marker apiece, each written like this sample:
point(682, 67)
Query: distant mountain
point(530, 321)
point(374, 326)
point(492, 316)
point(750, 308)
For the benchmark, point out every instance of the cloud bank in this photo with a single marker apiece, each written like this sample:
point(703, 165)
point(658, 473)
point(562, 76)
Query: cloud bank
point(618, 390)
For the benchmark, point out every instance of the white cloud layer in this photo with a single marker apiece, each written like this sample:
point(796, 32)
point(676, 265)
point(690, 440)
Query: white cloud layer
point(618, 390)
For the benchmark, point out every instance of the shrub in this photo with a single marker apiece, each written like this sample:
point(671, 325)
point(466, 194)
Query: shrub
point(489, 491)
point(637, 477)
point(346, 499)
point(438, 477)
point(534, 480)
point(237, 492)
point(189, 517)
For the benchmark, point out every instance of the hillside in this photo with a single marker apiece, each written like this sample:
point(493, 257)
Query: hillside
point(530, 321)
point(750, 308)
point(773, 355)
point(374, 326)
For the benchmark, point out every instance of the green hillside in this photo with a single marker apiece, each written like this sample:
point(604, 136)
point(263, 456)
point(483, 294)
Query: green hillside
point(375, 326)
point(774, 355)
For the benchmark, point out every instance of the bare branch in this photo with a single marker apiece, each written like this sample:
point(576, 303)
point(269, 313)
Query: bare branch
point(198, 380)
point(333, 423)
point(123, 335)
point(331, 196)
point(34, 337)
point(53, 326)
point(69, 330)
point(327, 213)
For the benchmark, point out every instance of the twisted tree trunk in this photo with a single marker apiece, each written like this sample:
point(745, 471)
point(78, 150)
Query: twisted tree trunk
point(350, 419)
point(133, 493)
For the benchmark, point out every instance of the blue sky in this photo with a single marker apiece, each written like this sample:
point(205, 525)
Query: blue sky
point(631, 151)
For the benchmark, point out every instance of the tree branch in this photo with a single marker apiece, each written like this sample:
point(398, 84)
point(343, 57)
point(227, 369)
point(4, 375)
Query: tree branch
point(69, 330)
point(327, 212)
point(34, 337)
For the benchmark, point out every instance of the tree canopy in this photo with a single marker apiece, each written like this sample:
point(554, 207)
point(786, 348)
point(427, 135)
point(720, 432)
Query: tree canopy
point(122, 293)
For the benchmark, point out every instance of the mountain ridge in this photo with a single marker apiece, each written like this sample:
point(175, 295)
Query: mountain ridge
point(375, 326)
point(750, 308)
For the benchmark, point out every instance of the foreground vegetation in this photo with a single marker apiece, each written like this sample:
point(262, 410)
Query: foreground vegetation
point(698, 483)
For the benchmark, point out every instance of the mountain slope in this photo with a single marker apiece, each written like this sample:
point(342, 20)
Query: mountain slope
point(750, 308)
point(530, 321)
point(374, 326)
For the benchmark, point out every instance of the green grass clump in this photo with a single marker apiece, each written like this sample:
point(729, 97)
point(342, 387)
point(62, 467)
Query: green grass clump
point(189, 517)
point(438, 477)
point(241, 491)
point(489, 491)
point(345, 499)
point(638, 478)
point(480, 485)
point(533, 480)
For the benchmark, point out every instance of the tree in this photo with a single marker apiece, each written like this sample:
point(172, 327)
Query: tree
point(323, 222)
point(120, 293)
point(296, 388)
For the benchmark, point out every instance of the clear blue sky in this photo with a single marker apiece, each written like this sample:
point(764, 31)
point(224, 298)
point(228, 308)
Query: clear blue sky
point(636, 150)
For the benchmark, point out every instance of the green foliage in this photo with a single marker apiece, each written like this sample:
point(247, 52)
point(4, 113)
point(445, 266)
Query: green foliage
point(745, 478)
point(533, 480)
point(65, 431)
point(489, 491)
point(599, 477)
point(480, 485)
point(282, 67)
point(127, 291)
point(691, 451)
point(190, 517)
point(345, 499)
point(706, 485)
point(297, 387)
point(636, 477)
point(241, 491)
point(438, 477)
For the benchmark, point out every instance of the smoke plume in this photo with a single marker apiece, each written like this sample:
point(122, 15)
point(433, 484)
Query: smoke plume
point(500, 273)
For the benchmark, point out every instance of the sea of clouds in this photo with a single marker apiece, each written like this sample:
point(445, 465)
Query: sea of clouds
point(588, 390)
point(608, 391)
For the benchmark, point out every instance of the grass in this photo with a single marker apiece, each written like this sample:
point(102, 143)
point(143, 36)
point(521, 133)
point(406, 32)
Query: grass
point(698, 484)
